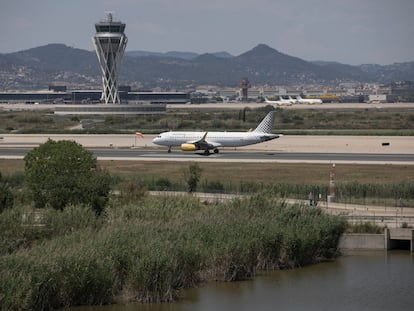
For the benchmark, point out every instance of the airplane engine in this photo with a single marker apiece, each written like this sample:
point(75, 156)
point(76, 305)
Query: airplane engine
point(188, 147)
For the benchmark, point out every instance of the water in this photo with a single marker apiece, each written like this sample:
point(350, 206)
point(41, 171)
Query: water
point(357, 281)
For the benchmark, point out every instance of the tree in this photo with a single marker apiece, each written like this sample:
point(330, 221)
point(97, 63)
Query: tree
point(58, 173)
point(6, 195)
point(193, 177)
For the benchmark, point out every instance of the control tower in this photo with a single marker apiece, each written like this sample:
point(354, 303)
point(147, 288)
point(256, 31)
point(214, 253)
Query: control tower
point(110, 42)
point(244, 85)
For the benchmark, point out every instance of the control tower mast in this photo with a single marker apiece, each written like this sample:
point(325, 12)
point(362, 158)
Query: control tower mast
point(244, 85)
point(110, 42)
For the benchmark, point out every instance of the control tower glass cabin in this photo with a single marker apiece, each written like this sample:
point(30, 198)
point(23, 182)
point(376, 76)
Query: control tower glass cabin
point(110, 42)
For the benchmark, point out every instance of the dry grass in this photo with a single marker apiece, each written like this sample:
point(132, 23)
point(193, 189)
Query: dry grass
point(267, 172)
point(8, 166)
point(259, 172)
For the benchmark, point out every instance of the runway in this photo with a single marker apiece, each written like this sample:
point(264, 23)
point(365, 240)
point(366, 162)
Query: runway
point(288, 149)
point(136, 154)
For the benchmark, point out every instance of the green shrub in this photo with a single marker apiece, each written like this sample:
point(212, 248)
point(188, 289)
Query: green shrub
point(364, 227)
point(193, 176)
point(63, 172)
point(59, 280)
point(163, 183)
point(149, 249)
point(6, 195)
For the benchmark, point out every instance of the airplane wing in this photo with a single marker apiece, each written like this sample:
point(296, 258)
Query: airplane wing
point(204, 144)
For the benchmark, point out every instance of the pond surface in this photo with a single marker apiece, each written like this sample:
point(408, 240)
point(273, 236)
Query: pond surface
point(356, 281)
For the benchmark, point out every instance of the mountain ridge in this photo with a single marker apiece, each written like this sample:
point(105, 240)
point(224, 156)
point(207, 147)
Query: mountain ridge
point(262, 65)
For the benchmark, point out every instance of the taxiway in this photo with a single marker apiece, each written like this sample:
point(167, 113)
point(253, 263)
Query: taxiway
point(233, 156)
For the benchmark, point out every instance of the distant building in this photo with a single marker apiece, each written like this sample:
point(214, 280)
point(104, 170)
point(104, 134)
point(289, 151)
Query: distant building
point(111, 109)
point(244, 86)
point(57, 88)
point(92, 97)
point(402, 91)
point(377, 98)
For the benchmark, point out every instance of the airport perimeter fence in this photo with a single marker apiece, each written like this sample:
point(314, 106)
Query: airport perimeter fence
point(397, 195)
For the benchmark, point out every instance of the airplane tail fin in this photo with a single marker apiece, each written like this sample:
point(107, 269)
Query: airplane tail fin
point(266, 126)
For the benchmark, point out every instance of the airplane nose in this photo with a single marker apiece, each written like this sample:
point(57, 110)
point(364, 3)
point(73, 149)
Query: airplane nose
point(156, 140)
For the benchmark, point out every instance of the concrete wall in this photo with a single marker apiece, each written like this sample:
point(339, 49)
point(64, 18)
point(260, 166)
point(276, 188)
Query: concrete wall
point(362, 241)
point(397, 236)
point(401, 233)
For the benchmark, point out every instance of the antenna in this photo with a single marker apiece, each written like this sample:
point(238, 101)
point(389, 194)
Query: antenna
point(109, 16)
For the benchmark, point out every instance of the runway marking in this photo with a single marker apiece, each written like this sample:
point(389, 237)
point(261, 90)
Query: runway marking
point(240, 157)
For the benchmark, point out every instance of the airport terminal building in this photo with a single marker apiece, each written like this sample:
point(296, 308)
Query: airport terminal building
point(89, 101)
point(53, 96)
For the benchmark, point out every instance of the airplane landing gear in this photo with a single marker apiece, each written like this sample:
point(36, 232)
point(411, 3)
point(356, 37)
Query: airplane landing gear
point(216, 150)
point(169, 150)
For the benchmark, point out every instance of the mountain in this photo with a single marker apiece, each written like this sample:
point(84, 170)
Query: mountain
point(174, 54)
point(58, 63)
point(269, 65)
point(53, 63)
point(393, 72)
point(57, 57)
point(354, 73)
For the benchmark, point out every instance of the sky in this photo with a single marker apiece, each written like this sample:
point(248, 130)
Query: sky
point(347, 31)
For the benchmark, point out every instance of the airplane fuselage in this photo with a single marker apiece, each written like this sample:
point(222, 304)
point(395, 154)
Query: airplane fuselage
point(308, 100)
point(218, 139)
point(281, 102)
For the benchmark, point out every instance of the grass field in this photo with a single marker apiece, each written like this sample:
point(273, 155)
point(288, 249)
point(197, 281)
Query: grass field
point(267, 172)
point(252, 172)
point(359, 184)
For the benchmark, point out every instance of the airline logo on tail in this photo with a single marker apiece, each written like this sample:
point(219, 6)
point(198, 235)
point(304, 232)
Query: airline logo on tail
point(266, 126)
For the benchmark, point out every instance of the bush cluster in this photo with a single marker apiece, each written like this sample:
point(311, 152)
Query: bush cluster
point(148, 250)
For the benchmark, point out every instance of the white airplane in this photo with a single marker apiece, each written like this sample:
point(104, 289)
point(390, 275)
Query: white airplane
point(293, 100)
point(288, 102)
point(280, 102)
point(193, 141)
point(310, 101)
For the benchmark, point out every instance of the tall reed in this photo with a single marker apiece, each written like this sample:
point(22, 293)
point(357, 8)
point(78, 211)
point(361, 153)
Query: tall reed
point(149, 249)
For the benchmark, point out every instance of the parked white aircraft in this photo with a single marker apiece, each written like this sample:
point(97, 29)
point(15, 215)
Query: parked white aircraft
point(310, 101)
point(293, 100)
point(280, 102)
point(288, 102)
point(193, 141)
